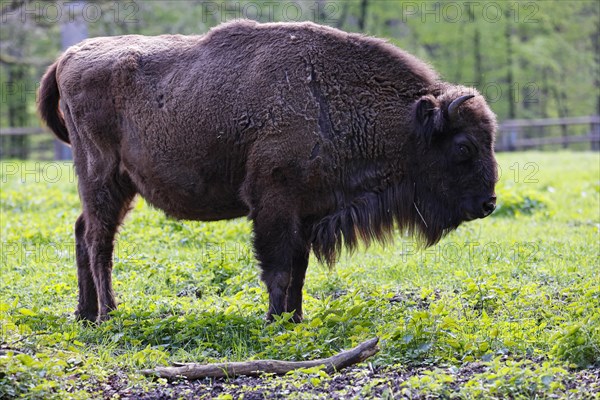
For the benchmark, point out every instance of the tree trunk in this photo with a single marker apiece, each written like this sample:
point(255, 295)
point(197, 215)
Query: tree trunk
point(362, 18)
point(596, 70)
point(478, 60)
point(460, 55)
point(544, 93)
point(510, 73)
point(560, 96)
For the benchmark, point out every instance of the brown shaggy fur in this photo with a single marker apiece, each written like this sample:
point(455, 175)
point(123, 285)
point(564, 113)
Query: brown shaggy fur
point(321, 137)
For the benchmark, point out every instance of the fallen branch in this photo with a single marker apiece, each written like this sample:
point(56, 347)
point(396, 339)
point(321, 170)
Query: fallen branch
point(253, 368)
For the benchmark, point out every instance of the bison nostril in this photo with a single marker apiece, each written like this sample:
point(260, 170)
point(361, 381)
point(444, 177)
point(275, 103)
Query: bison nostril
point(489, 207)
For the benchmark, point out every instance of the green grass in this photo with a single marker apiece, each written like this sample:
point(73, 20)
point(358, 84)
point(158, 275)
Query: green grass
point(518, 292)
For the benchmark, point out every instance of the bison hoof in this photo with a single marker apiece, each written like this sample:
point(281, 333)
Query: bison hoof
point(89, 317)
point(103, 317)
point(296, 318)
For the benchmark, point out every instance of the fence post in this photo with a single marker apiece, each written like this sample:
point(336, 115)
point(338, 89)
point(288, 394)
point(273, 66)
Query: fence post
point(512, 139)
point(595, 134)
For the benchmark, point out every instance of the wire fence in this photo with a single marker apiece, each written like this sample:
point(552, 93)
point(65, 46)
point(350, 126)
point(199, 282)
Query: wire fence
point(581, 133)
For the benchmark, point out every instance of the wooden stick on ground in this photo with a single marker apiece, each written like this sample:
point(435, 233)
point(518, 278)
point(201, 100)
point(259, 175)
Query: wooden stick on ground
point(253, 368)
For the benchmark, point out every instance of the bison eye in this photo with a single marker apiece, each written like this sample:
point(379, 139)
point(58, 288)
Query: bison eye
point(464, 151)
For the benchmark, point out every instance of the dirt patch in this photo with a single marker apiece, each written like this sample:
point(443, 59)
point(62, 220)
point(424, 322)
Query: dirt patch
point(359, 382)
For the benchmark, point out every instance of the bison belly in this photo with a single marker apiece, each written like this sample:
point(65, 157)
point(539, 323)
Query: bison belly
point(187, 187)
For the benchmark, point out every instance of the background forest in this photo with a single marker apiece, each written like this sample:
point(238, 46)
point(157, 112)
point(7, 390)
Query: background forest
point(530, 59)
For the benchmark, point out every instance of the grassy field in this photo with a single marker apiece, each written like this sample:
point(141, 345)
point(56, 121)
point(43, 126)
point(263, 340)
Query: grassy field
point(504, 307)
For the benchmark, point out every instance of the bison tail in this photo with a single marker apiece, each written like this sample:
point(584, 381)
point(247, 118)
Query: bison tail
point(48, 105)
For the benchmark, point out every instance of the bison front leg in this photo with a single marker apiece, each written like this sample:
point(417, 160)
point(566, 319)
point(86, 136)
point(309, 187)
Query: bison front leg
point(282, 254)
point(294, 295)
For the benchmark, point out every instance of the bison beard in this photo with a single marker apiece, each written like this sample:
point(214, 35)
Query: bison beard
point(374, 216)
point(321, 137)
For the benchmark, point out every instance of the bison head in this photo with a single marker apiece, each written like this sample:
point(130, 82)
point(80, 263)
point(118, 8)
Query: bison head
point(455, 170)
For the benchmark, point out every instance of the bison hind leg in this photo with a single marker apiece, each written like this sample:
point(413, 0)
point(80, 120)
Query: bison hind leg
point(87, 307)
point(106, 196)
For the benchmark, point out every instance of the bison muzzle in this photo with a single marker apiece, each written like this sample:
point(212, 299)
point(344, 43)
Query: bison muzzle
point(322, 138)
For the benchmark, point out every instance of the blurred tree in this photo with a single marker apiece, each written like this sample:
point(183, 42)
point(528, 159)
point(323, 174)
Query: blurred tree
point(362, 17)
point(510, 81)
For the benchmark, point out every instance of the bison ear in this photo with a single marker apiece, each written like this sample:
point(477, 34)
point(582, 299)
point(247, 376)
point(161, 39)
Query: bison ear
point(428, 118)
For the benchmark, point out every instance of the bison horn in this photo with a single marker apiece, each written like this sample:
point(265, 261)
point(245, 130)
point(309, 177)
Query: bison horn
point(453, 107)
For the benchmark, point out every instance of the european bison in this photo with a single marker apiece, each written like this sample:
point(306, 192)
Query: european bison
point(320, 137)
